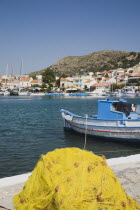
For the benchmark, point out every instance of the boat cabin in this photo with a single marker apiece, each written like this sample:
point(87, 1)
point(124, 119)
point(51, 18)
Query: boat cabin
point(110, 109)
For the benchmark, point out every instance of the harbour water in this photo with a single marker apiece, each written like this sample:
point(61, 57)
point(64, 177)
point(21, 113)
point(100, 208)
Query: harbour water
point(31, 126)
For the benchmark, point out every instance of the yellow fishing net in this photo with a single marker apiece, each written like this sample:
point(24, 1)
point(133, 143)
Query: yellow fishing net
point(73, 179)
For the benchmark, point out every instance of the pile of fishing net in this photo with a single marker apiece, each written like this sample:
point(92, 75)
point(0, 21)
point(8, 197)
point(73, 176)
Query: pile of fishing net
point(70, 179)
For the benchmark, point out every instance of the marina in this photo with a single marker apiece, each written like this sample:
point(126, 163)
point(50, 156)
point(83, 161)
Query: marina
point(92, 94)
point(31, 126)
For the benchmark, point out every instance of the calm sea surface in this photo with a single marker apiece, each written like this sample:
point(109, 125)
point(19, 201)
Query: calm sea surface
point(31, 126)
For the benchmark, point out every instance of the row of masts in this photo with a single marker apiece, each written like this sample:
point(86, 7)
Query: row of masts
point(20, 73)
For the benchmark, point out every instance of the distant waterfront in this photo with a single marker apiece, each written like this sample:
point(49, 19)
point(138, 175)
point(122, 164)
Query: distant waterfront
point(31, 126)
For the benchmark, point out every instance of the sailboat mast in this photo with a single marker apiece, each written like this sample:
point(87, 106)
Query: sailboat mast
point(21, 67)
point(6, 75)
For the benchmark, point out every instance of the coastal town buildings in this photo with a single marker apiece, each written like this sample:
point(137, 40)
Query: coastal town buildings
point(24, 81)
point(86, 82)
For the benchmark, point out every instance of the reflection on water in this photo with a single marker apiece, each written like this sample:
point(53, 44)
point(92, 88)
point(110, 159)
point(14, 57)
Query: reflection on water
point(110, 148)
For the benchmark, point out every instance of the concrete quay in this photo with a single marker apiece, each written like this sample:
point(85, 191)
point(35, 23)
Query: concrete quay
point(127, 169)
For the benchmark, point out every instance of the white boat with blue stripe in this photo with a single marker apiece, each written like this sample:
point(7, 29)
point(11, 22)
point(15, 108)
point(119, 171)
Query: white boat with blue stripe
point(116, 119)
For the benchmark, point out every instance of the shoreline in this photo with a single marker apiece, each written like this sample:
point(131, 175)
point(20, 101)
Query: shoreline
point(127, 170)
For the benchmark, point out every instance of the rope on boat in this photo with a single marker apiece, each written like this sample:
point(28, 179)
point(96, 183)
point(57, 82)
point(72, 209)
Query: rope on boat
point(85, 131)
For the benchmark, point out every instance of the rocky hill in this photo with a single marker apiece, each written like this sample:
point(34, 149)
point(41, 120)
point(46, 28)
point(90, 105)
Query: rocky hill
point(96, 61)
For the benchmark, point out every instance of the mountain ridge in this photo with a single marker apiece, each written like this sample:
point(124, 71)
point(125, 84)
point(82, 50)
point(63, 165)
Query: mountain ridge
point(97, 61)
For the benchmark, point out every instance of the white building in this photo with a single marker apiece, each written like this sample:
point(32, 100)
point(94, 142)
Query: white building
point(39, 77)
point(36, 82)
point(66, 83)
point(25, 81)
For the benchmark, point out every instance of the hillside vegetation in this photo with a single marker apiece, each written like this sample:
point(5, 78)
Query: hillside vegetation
point(96, 61)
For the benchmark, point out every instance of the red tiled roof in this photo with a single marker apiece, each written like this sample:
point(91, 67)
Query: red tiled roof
point(102, 72)
point(34, 81)
point(64, 79)
point(128, 74)
point(25, 79)
point(137, 75)
point(120, 83)
point(107, 78)
point(110, 70)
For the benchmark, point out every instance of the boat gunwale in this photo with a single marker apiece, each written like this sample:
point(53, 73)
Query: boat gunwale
point(91, 118)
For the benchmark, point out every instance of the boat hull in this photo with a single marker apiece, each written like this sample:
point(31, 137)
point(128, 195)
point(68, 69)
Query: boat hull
point(127, 94)
point(121, 133)
point(23, 93)
point(6, 93)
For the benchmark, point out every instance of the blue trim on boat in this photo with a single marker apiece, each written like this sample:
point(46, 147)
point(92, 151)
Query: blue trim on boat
point(90, 118)
point(78, 94)
point(54, 94)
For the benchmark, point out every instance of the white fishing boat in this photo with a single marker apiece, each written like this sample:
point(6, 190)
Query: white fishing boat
point(127, 92)
point(118, 120)
point(37, 94)
point(13, 92)
point(98, 93)
point(6, 93)
point(24, 93)
point(1, 93)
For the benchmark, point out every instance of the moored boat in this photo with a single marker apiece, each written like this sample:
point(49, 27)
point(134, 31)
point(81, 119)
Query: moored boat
point(14, 92)
point(128, 92)
point(98, 93)
point(6, 93)
point(115, 119)
point(37, 94)
point(23, 93)
point(79, 94)
point(1, 93)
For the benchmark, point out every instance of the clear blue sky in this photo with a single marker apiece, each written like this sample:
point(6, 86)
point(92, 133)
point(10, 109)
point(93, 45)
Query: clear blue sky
point(43, 31)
